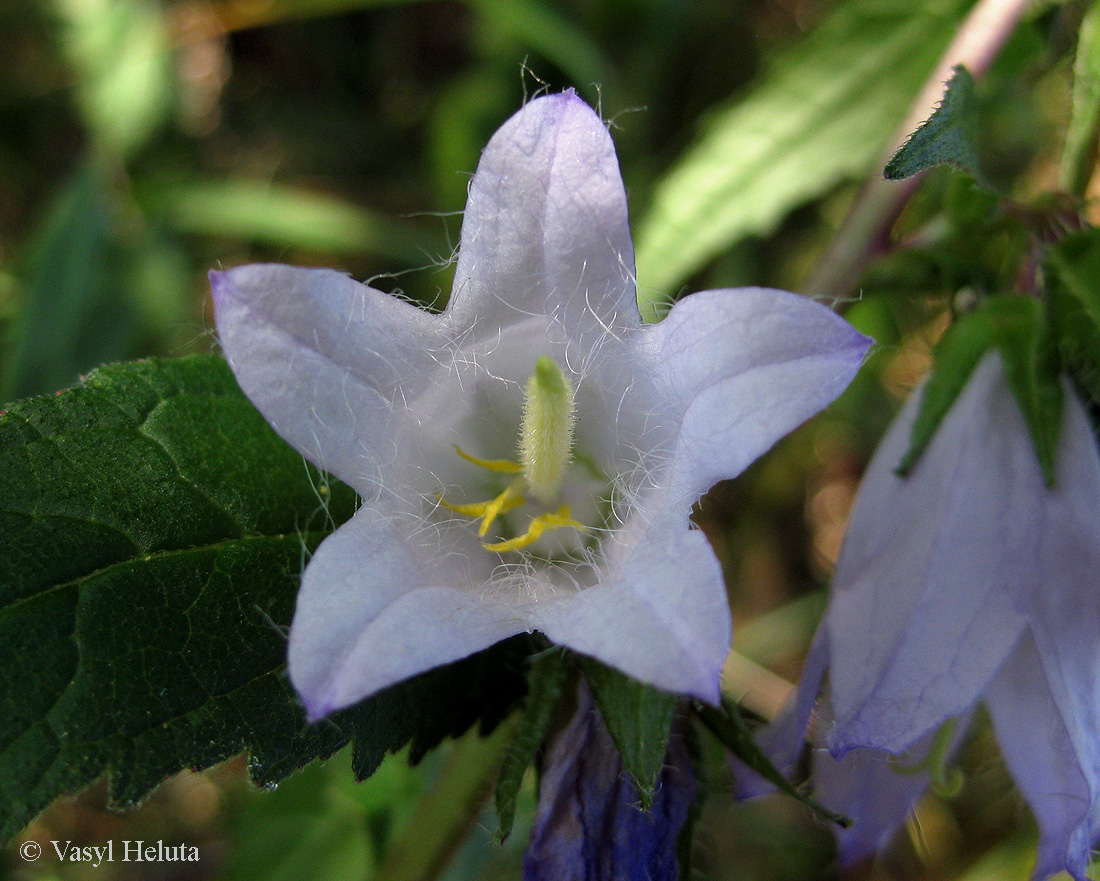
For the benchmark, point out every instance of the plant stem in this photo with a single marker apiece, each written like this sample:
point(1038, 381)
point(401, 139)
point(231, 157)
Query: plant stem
point(864, 234)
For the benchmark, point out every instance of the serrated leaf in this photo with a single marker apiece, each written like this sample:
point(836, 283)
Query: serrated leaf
point(730, 727)
point(545, 685)
point(639, 718)
point(947, 137)
point(1072, 273)
point(152, 533)
point(821, 116)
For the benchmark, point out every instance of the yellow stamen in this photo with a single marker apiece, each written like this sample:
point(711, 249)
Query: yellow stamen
point(510, 498)
point(504, 466)
point(552, 520)
point(478, 509)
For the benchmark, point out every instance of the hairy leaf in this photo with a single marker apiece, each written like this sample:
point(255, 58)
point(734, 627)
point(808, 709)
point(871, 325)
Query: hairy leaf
point(947, 137)
point(152, 533)
point(639, 718)
point(549, 675)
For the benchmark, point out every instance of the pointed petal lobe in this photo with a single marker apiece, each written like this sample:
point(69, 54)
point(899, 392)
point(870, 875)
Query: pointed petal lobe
point(545, 230)
point(325, 359)
point(663, 618)
point(747, 366)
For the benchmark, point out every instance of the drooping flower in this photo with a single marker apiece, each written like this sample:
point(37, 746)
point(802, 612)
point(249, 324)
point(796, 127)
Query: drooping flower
point(527, 459)
point(589, 823)
point(968, 581)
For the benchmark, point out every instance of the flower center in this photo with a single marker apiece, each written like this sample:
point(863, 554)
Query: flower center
point(545, 449)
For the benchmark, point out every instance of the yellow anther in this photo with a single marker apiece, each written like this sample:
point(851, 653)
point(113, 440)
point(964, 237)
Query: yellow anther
point(552, 520)
point(478, 509)
point(504, 466)
point(546, 433)
point(511, 497)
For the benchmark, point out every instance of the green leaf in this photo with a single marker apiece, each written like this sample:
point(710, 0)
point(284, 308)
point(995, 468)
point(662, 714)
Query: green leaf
point(541, 27)
point(1072, 273)
point(545, 685)
point(307, 829)
point(957, 354)
point(287, 216)
point(639, 718)
point(1031, 364)
point(821, 116)
point(947, 137)
point(730, 727)
point(120, 51)
point(1079, 155)
point(152, 533)
point(1018, 327)
point(74, 315)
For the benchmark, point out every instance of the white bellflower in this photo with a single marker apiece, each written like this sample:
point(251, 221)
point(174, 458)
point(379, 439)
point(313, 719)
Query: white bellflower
point(527, 460)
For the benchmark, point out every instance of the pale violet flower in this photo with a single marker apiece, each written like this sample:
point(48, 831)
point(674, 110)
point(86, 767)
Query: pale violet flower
point(527, 459)
point(968, 581)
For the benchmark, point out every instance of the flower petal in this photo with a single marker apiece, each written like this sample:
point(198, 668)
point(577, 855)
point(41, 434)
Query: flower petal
point(876, 790)
point(589, 824)
point(1047, 735)
point(663, 618)
point(1045, 701)
point(747, 366)
point(926, 595)
point(374, 610)
point(326, 360)
point(784, 738)
point(873, 788)
point(545, 230)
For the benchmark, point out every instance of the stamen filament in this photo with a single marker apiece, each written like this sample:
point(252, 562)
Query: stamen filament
point(551, 520)
point(504, 466)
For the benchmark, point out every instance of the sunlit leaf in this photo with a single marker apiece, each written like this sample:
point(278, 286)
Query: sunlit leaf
point(1078, 157)
point(120, 52)
point(820, 116)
